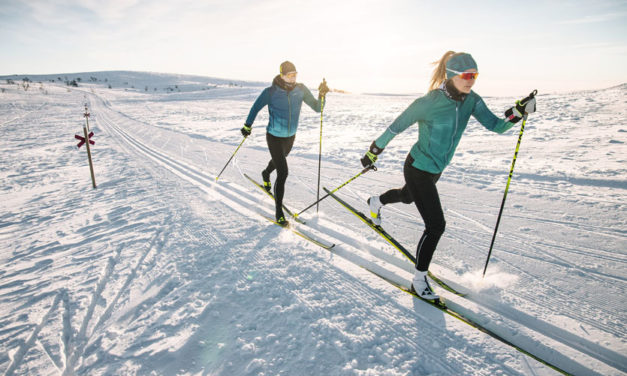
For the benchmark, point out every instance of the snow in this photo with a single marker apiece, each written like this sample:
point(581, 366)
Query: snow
point(161, 270)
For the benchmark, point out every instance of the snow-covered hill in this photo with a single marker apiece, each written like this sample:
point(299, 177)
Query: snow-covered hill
point(161, 270)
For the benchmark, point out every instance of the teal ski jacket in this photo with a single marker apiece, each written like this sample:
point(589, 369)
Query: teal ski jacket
point(441, 122)
point(284, 107)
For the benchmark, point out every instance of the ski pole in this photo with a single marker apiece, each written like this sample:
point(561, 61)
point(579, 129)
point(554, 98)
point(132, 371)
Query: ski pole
point(232, 155)
point(509, 179)
point(372, 167)
point(319, 155)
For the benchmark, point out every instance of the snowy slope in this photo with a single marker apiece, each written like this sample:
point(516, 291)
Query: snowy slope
point(161, 270)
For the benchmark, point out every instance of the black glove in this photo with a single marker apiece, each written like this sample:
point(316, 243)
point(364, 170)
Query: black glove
point(524, 106)
point(246, 130)
point(323, 89)
point(371, 155)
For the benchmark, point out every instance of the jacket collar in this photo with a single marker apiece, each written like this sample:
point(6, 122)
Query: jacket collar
point(451, 92)
point(278, 81)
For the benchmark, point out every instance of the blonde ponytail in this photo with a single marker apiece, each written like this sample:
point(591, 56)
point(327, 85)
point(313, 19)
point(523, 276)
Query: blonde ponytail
point(439, 73)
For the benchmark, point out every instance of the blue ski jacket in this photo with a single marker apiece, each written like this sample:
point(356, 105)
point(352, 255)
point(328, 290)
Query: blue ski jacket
point(441, 122)
point(284, 107)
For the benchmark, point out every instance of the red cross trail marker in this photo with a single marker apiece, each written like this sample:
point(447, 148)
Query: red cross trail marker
point(82, 139)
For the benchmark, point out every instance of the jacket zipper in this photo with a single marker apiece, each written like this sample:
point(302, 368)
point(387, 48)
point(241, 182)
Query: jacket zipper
point(454, 131)
point(289, 112)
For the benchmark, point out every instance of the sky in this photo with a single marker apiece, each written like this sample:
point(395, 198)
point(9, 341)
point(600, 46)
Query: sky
point(385, 46)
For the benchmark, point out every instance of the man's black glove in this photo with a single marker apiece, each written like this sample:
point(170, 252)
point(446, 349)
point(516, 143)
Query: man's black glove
point(371, 155)
point(246, 130)
point(323, 89)
point(523, 106)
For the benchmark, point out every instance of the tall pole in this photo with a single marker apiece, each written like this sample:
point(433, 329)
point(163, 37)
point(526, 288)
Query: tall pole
point(319, 156)
point(232, 155)
point(509, 179)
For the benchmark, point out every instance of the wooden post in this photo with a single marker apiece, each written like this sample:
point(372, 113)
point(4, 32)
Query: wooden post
point(91, 165)
point(86, 114)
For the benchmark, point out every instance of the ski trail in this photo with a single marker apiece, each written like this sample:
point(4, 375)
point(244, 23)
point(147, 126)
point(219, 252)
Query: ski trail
point(21, 352)
point(46, 350)
point(82, 338)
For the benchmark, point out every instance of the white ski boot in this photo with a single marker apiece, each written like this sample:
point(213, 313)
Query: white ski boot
point(375, 209)
point(420, 285)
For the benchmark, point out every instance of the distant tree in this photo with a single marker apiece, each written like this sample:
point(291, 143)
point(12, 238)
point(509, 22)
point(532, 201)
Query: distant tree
point(3, 90)
point(10, 81)
point(146, 88)
point(52, 80)
point(59, 79)
point(106, 80)
point(109, 86)
point(72, 83)
point(78, 79)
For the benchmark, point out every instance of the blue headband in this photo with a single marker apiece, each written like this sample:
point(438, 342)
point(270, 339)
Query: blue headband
point(460, 63)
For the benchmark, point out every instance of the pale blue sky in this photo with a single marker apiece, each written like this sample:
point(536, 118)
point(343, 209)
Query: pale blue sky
point(360, 46)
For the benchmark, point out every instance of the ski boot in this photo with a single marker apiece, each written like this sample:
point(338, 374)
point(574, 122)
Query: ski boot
point(266, 181)
point(375, 209)
point(420, 285)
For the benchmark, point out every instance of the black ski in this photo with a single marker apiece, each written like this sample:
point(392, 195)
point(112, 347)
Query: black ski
point(287, 211)
point(379, 230)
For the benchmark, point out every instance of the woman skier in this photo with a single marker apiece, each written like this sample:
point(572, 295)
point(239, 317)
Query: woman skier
point(284, 100)
point(442, 115)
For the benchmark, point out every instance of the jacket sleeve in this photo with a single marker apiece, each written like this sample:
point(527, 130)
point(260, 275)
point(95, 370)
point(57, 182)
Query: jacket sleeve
point(416, 111)
point(308, 98)
point(482, 113)
point(262, 100)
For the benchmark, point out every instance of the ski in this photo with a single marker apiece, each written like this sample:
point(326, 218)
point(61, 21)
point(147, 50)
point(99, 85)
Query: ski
point(441, 305)
point(287, 211)
point(303, 235)
point(379, 230)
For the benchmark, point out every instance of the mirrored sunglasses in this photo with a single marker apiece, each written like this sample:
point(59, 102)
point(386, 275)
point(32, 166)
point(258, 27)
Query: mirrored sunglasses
point(465, 75)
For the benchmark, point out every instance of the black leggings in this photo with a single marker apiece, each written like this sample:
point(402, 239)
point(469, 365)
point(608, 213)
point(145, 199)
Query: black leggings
point(420, 189)
point(279, 148)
